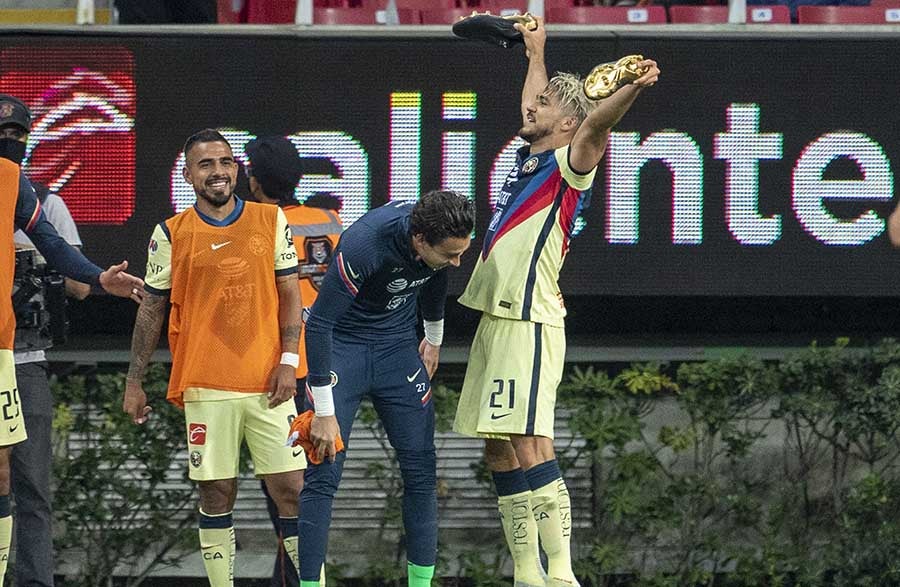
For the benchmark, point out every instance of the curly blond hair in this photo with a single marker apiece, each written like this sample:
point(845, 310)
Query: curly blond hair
point(567, 87)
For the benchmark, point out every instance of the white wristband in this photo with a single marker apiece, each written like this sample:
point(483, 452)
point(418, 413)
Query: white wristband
point(292, 359)
point(323, 400)
point(434, 332)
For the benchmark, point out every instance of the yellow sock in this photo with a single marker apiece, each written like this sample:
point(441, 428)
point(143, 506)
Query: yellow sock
point(521, 534)
point(552, 512)
point(217, 548)
point(290, 549)
point(5, 540)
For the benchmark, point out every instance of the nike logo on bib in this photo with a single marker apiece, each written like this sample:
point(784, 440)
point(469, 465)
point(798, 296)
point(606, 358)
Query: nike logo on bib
point(218, 246)
point(497, 417)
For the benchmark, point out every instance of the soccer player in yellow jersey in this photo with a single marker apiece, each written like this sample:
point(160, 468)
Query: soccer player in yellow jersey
point(516, 360)
point(229, 269)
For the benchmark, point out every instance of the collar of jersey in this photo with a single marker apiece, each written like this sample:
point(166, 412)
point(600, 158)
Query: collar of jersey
point(524, 153)
point(230, 219)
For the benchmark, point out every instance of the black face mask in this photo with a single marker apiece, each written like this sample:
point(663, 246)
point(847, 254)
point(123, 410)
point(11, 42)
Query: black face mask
point(13, 150)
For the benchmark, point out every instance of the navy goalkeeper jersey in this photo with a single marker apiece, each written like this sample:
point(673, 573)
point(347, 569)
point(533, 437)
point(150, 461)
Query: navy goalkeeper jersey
point(372, 288)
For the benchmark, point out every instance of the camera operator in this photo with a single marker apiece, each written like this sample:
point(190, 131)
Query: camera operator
point(20, 207)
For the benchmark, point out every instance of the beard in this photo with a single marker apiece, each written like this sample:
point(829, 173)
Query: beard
point(535, 133)
point(216, 198)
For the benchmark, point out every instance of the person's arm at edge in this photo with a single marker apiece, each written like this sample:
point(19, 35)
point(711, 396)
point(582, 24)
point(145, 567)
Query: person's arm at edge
point(61, 219)
point(893, 226)
point(62, 256)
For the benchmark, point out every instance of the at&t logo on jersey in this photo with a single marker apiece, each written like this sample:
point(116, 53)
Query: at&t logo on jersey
point(197, 434)
point(397, 285)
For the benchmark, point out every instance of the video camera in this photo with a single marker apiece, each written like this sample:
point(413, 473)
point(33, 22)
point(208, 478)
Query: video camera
point(39, 302)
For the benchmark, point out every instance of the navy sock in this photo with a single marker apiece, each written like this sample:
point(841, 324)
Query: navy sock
point(510, 482)
point(543, 474)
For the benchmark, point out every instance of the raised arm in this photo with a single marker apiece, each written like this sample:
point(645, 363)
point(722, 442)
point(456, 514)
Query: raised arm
point(536, 78)
point(589, 142)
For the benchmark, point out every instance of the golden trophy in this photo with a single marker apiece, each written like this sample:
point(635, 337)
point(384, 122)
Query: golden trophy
point(605, 79)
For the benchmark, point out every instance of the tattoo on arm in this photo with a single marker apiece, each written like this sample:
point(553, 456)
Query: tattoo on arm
point(289, 311)
point(147, 328)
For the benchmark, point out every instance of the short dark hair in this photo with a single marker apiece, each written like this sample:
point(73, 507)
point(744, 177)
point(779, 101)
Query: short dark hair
point(207, 135)
point(323, 200)
point(440, 215)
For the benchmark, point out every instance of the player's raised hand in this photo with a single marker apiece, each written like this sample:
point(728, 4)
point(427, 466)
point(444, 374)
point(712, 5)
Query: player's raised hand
point(135, 402)
point(651, 76)
point(430, 355)
point(282, 385)
point(322, 432)
point(534, 40)
point(115, 281)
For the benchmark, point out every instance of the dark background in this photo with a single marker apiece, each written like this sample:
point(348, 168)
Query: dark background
point(791, 290)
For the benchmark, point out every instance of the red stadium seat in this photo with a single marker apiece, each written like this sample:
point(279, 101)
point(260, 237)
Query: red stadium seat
point(407, 4)
point(607, 15)
point(847, 15)
point(444, 16)
point(557, 4)
point(504, 6)
point(359, 16)
point(686, 14)
point(266, 12)
point(226, 14)
point(774, 14)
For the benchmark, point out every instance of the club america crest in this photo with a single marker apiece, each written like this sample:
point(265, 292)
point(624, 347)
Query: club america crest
point(6, 109)
point(318, 251)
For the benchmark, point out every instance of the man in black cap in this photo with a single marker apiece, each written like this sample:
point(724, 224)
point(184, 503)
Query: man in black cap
point(20, 208)
point(15, 124)
point(273, 173)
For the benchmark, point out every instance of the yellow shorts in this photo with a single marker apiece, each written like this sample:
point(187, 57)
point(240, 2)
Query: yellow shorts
point(12, 424)
point(216, 428)
point(511, 379)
